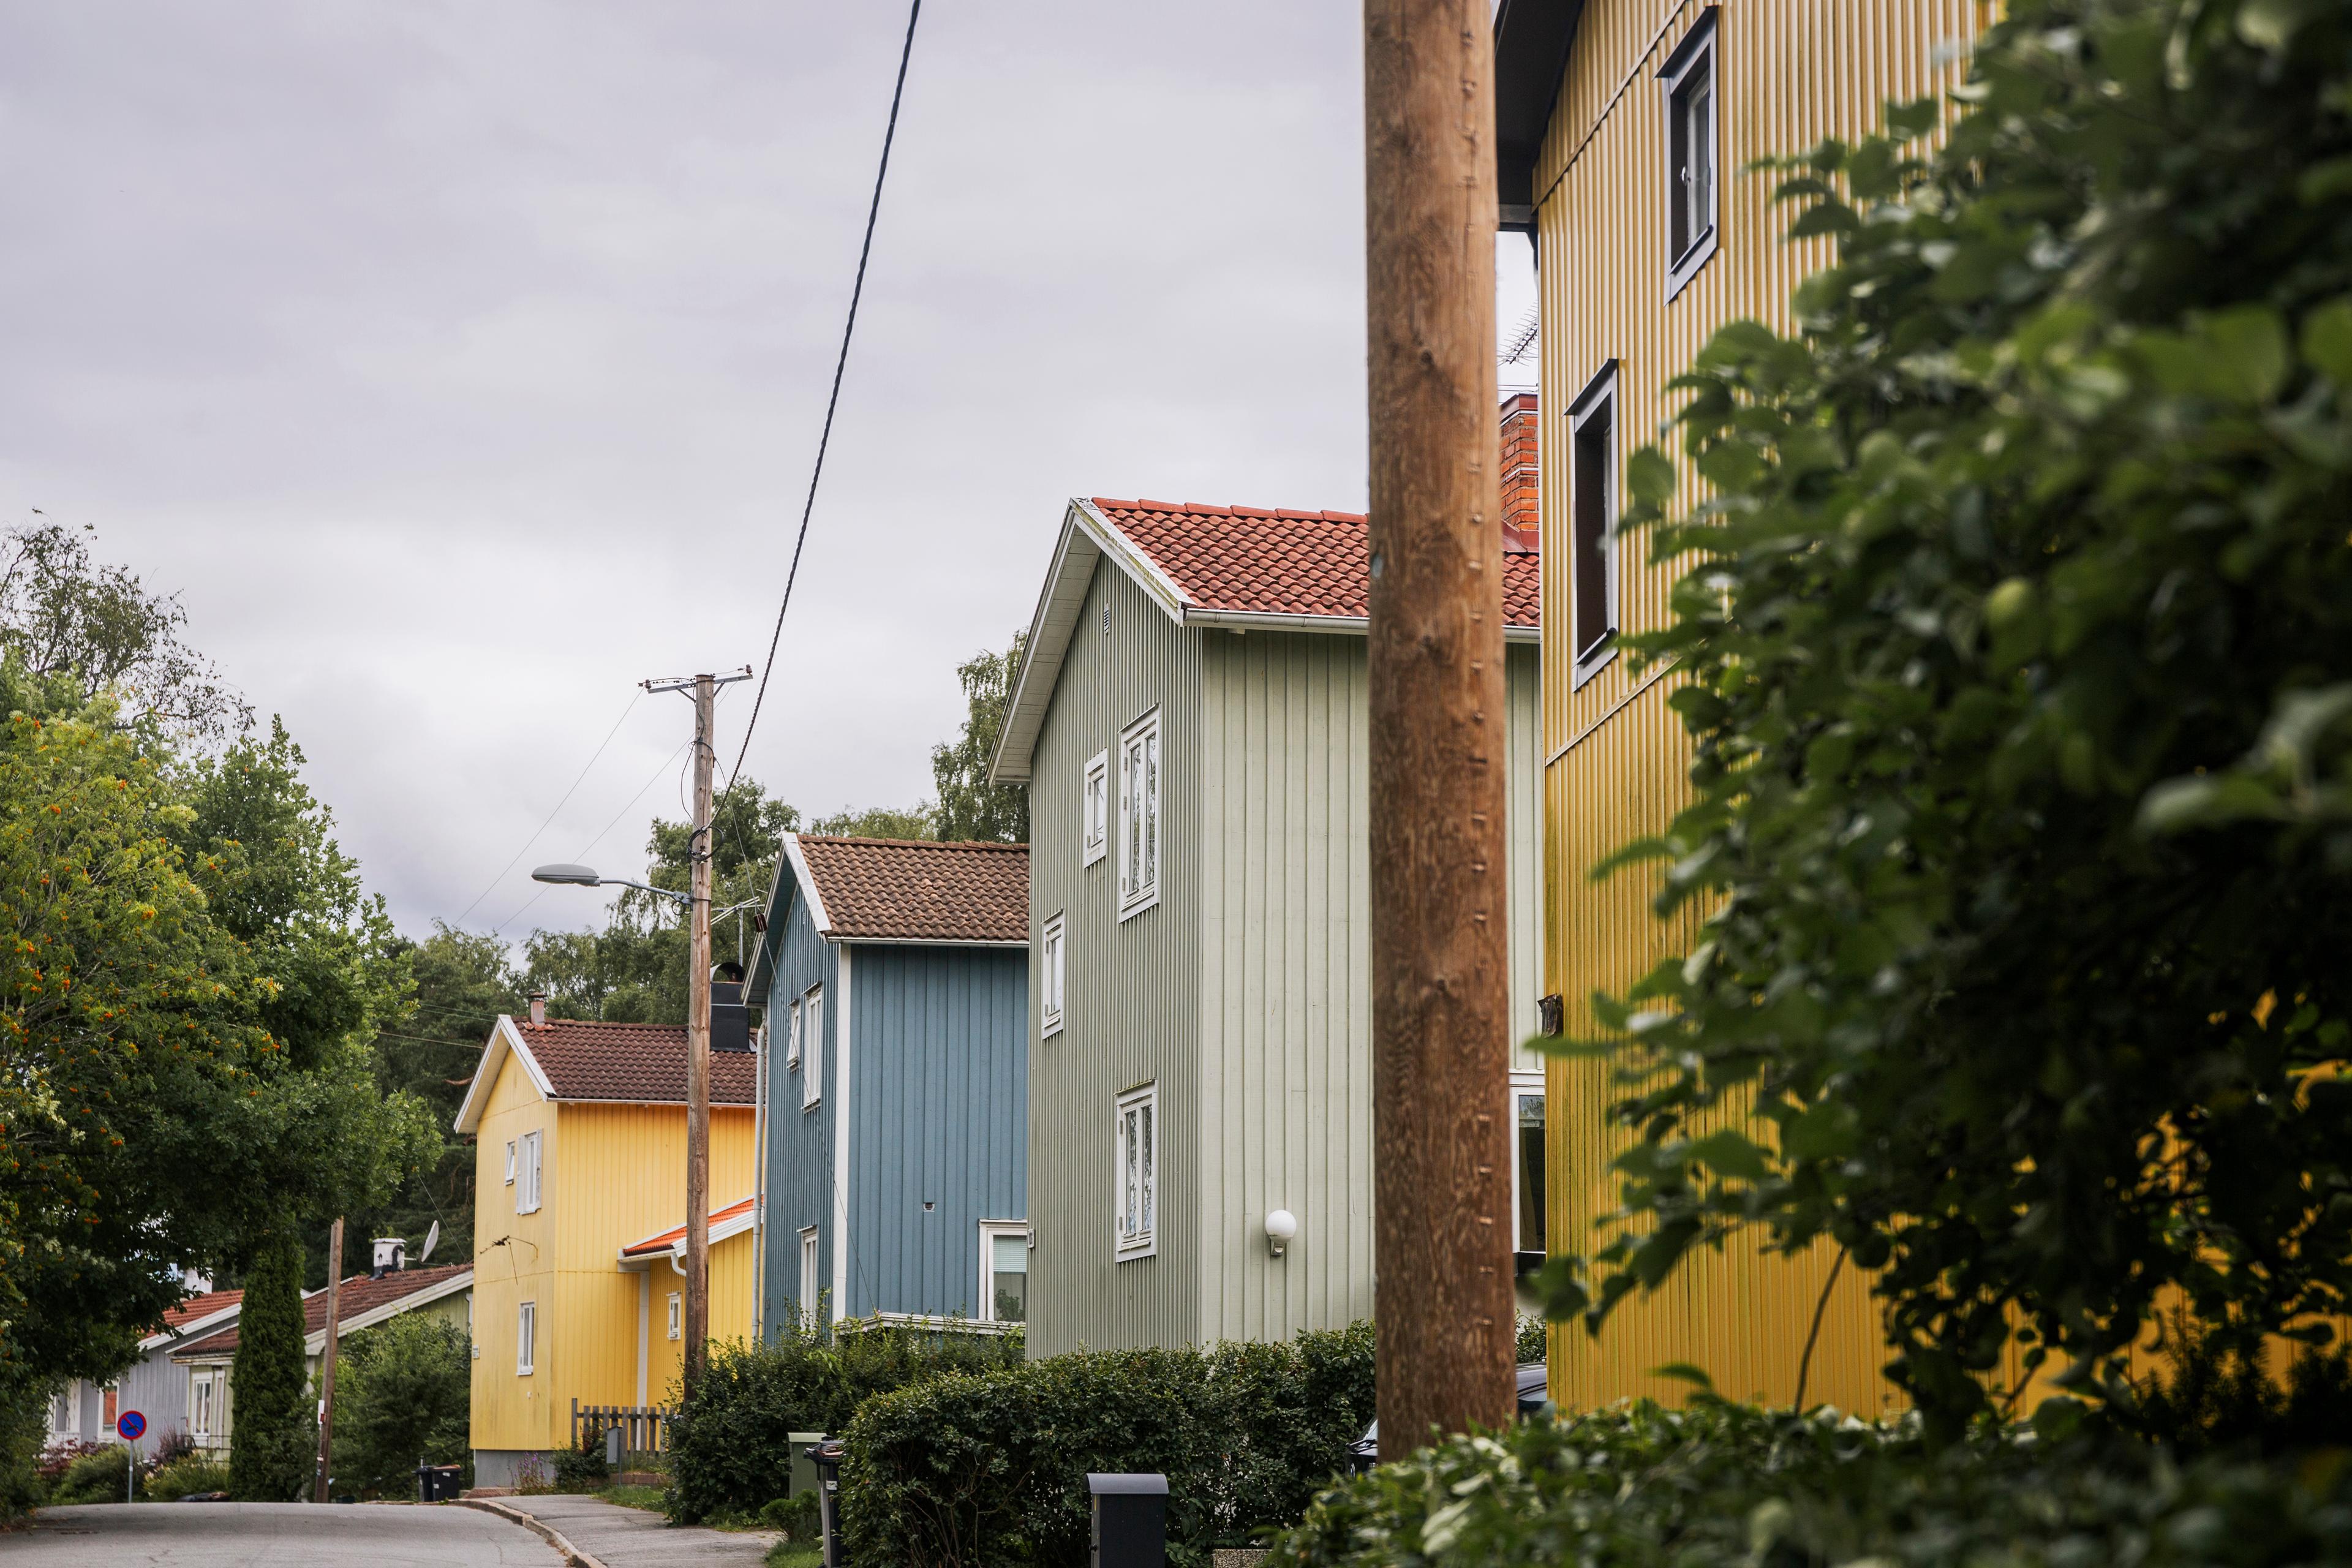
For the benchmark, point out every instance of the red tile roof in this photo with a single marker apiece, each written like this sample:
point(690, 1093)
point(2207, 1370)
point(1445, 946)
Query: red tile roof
point(645, 1063)
point(202, 1306)
point(1263, 562)
point(360, 1295)
point(739, 1209)
point(901, 890)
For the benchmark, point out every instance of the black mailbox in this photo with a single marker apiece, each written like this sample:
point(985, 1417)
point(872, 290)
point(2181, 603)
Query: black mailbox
point(1131, 1521)
point(826, 1457)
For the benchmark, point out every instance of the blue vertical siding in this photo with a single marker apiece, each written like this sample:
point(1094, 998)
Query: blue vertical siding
point(800, 1142)
point(939, 1113)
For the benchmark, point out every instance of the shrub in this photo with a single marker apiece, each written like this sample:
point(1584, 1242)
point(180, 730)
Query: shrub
point(1726, 1485)
point(991, 1468)
point(1991, 575)
point(582, 1468)
point(402, 1395)
point(274, 1446)
point(59, 1456)
point(95, 1477)
point(174, 1445)
point(795, 1515)
point(531, 1478)
point(730, 1452)
point(191, 1475)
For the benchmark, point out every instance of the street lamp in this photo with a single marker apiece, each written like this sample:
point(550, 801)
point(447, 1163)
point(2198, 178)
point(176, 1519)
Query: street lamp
point(563, 873)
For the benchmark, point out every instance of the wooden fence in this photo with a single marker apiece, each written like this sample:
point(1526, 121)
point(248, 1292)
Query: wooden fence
point(645, 1428)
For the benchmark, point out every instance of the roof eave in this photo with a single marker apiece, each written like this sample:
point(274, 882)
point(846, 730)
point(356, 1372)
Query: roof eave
point(505, 1038)
point(1532, 38)
point(1328, 625)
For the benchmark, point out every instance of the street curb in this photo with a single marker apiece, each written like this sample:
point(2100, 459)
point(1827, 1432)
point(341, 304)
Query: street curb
point(547, 1532)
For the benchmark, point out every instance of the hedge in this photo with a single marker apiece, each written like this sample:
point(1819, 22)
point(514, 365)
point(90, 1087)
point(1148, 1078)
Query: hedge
point(977, 1471)
point(1733, 1486)
point(731, 1450)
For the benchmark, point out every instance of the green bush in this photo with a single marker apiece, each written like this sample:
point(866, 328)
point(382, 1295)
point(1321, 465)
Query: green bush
point(274, 1446)
point(403, 1392)
point(188, 1477)
point(730, 1452)
point(795, 1515)
point(96, 1476)
point(1732, 1486)
point(582, 1468)
point(991, 1468)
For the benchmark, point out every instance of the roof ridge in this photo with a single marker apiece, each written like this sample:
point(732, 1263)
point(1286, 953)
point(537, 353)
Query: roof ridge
point(525, 1023)
point(912, 843)
point(1231, 509)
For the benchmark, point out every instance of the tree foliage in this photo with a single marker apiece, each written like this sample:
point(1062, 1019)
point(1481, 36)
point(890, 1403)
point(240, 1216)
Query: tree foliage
point(402, 1393)
point(273, 1443)
point(2037, 524)
point(970, 807)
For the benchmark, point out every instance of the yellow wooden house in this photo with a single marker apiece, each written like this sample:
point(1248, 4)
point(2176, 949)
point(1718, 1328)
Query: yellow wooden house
point(1621, 128)
point(580, 1161)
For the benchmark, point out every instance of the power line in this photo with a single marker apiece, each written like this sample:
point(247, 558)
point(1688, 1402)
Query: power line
point(831, 403)
point(600, 835)
point(550, 815)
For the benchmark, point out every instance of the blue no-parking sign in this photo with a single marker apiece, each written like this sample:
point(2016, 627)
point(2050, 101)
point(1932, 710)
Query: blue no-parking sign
point(130, 1425)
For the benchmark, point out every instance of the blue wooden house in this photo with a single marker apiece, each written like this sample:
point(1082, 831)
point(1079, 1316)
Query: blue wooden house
point(893, 1163)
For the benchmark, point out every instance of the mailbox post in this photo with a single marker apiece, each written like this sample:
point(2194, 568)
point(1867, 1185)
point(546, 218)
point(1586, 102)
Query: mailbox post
point(1131, 1521)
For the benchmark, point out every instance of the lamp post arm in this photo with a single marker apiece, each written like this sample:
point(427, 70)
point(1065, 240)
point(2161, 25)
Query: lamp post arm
point(645, 888)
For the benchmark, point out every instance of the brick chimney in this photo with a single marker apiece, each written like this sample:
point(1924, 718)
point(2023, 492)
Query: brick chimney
point(537, 1008)
point(1522, 500)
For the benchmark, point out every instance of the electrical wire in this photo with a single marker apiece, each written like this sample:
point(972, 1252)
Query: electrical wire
point(608, 828)
point(550, 815)
point(840, 363)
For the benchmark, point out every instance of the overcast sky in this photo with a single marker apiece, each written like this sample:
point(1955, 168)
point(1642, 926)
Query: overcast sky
point(462, 364)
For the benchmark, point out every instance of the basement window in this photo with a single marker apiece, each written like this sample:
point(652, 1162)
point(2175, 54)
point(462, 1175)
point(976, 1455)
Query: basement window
point(1592, 525)
point(1693, 128)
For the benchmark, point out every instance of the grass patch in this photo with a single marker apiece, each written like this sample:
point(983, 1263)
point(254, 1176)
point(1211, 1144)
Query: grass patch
point(648, 1498)
point(794, 1554)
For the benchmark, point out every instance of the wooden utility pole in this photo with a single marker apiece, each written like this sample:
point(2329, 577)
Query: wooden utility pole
point(1441, 1014)
point(327, 1360)
point(698, 1050)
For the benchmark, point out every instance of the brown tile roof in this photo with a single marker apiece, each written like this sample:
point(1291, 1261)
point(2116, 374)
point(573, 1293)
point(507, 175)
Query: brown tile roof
point(202, 1306)
point(640, 1062)
point(899, 890)
point(361, 1294)
point(1263, 562)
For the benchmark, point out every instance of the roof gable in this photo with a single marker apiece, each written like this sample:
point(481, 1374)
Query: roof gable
point(575, 1059)
point(889, 889)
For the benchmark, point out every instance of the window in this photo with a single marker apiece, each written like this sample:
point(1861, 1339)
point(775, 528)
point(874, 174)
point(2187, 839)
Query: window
point(1528, 1163)
point(511, 1162)
point(110, 1403)
point(526, 1337)
point(677, 1315)
point(1050, 948)
point(1137, 1163)
point(1592, 521)
point(810, 1295)
point(1003, 1272)
point(793, 1037)
point(61, 1410)
point(1693, 123)
point(812, 1053)
point(1138, 815)
point(200, 1403)
point(527, 1183)
point(1096, 843)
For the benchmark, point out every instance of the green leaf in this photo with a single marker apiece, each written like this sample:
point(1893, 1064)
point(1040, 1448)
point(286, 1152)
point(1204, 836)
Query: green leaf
point(1685, 1372)
point(2327, 338)
point(1729, 1153)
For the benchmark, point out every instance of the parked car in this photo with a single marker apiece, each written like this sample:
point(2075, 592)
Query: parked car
point(1534, 1394)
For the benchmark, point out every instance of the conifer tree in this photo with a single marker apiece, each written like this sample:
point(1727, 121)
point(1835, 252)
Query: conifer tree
point(271, 1443)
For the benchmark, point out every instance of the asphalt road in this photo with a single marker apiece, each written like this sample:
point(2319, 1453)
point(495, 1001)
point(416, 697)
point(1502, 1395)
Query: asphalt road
point(275, 1535)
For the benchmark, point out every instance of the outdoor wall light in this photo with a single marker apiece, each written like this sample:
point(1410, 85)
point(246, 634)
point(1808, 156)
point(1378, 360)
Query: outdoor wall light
point(1281, 1229)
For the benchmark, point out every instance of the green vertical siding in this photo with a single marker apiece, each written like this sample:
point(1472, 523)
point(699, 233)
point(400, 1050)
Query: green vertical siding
point(1132, 990)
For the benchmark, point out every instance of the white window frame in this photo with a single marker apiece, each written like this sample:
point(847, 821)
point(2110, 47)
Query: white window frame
point(1598, 402)
point(511, 1162)
point(1140, 816)
point(1693, 65)
point(531, 1180)
point(793, 1037)
point(1094, 810)
point(1135, 1116)
point(526, 1338)
point(989, 1231)
point(200, 1404)
point(812, 1051)
point(812, 1273)
point(1053, 963)
point(677, 1315)
point(1523, 1083)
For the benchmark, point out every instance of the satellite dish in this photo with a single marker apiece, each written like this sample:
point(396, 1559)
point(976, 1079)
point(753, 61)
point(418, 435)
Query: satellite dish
point(432, 1234)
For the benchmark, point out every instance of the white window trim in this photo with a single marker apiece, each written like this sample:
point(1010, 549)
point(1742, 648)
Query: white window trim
point(526, 1338)
point(989, 1229)
point(1521, 1083)
point(1133, 901)
point(677, 1315)
point(1599, 397)
point(1696, 52)
point(511, 1162)
point(1125, 1248)
point(1094, 809)
point(812, 1263)
point(529, 1188)
point(1053, 967)
point(812, 1052)
point(793, 1037)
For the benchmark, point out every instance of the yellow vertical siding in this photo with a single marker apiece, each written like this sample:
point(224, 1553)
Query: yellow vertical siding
point(1789, 73)
point(612, 1174)
point(731, 1263)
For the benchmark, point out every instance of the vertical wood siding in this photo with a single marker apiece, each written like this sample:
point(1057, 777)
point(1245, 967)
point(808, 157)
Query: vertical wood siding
point(800, 1185)
point(1790, 73)
point(1285, 978)
point(731, 1263)
point(1131, 1006)
point(938, 1114)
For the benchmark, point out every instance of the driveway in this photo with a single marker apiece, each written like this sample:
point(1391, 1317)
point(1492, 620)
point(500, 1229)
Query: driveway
point(275, 1535)
point(632, 1538)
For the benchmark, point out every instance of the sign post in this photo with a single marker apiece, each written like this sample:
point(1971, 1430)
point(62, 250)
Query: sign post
point(129, 1426)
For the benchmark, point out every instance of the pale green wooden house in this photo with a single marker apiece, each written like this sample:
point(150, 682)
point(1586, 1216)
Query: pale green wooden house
point(1189, 716)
